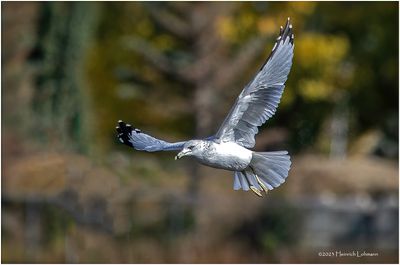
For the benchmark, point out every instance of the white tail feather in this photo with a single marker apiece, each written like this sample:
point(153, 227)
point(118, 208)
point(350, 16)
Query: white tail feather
point(266, 170)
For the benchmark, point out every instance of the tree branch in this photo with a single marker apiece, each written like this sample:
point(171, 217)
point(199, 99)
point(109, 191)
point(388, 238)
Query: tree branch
point(228, 72)
point(155, 57)
point(170, 22)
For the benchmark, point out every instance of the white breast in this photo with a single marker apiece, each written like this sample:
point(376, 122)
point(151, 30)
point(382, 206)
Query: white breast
point(234, 150)
point(229, 156)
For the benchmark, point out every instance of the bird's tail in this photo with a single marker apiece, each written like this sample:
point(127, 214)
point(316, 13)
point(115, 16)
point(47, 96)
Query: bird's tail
point(267, 170)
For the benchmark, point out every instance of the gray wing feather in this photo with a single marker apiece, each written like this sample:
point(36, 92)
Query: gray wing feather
point(243, 181)
point(144, 142)
point(236, 181)
point(260, 98)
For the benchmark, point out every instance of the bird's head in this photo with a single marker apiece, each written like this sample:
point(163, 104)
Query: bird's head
point(191, 148)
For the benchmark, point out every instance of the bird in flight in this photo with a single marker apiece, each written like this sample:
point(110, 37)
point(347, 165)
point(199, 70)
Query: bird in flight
point(229, 148)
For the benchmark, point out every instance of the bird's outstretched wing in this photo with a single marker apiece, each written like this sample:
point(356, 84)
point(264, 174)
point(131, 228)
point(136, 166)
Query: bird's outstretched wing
point(143, 142)
point(260, 98)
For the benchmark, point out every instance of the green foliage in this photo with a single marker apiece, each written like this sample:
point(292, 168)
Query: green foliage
point(336, 57)
point(271, 229)
point(174, 69)
point(56, 223)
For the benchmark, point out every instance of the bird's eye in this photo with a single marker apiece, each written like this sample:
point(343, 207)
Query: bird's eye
point(191, 147)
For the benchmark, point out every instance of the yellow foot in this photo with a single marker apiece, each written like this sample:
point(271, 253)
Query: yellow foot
point(262, 184)
point(256, 191)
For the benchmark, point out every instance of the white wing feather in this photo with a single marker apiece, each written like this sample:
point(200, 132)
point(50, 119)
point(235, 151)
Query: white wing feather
point(260, 98)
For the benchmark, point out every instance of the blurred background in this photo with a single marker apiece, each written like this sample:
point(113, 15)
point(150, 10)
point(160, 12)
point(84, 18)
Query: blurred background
point(71, 193)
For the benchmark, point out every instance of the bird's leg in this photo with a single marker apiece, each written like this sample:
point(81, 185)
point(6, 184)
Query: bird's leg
point(256, 191)
point(261, 184)
point(263, 187)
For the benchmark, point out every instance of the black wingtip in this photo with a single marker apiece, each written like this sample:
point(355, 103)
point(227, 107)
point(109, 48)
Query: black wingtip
point(123, 132)
point(287, 32)
point(284, 33)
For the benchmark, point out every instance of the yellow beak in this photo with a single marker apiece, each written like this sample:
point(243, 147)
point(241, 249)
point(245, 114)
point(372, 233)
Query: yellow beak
point(182, 154)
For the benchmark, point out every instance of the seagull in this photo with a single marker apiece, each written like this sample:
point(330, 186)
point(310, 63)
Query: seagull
point(230, 147)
